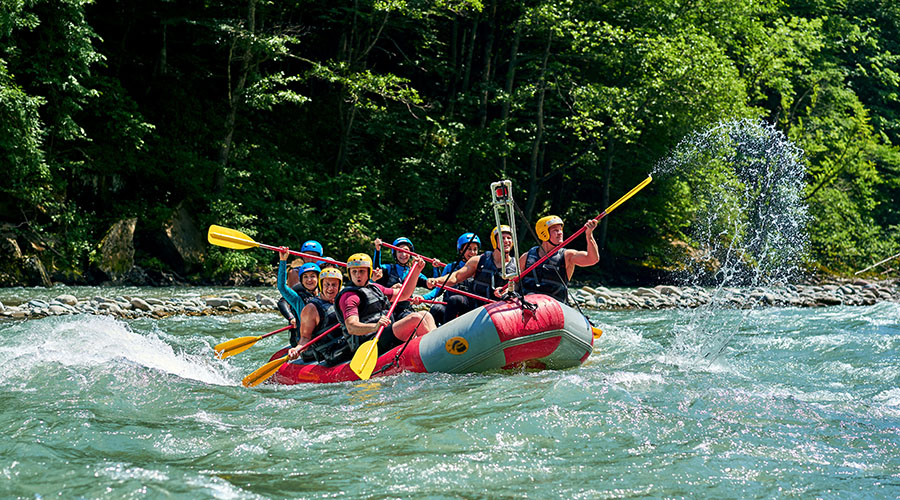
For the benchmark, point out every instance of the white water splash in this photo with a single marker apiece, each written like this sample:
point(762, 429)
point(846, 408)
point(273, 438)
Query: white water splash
point(745, 179)
point(97, 341)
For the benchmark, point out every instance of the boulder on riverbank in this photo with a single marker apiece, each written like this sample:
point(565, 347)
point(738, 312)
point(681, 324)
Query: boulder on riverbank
point(116, 249)
point(659, 297)
point(859, 293)
point(17, 268)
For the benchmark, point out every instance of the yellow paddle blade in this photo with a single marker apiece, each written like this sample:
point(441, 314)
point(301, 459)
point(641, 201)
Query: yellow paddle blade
point(363, 362)
point(235, 346)
point(629, 194)
point(597, 332)
point(229, 238)
point(263, 372)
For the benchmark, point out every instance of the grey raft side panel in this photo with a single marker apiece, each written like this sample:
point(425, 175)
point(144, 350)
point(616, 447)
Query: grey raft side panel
point(576, 341)
point(483, 352)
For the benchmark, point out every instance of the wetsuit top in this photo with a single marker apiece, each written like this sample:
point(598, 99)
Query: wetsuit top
point(374, 302)
point(549, 278)
point(487, 275)
point(296, 297)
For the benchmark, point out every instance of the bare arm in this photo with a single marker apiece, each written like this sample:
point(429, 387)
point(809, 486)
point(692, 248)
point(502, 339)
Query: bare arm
point(462, 274)
point(416, 269)
point(582, 258)
point(356, 327)
point(309, 320)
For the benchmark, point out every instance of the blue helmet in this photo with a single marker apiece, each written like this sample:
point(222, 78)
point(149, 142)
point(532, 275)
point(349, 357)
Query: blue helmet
point(312, 246)
point(402, 241)
point(466, 239)
point(309, 266)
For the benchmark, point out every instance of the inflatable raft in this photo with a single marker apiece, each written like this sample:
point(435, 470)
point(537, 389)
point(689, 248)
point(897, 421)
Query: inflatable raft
point(502, 335)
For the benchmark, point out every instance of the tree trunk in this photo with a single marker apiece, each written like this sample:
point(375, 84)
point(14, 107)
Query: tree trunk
point(604, 202)
point(234, 96)
point(539, 134)
point(486, 73)
point(470, 53)
point(507, 89)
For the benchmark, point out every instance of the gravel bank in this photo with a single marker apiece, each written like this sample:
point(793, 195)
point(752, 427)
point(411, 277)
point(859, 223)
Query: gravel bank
point(659, 297)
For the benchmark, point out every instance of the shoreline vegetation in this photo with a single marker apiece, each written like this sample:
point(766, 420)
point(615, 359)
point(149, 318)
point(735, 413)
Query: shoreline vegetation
point(127, 128)
point(857, 293)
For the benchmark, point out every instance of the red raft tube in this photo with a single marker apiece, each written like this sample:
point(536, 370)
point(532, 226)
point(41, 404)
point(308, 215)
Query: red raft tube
point(501, 335)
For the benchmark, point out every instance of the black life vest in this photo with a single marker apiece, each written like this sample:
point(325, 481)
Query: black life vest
point(373, 304)
point(333, 348)
point(549, 278)
point(488, 277)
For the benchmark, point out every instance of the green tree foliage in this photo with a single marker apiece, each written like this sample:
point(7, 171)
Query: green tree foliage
point(350, 120)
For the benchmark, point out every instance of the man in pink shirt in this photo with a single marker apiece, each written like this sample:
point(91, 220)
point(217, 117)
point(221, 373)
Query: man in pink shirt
point(362, 308)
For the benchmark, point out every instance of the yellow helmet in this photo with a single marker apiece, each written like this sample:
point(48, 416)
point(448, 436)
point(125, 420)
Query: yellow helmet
point(359, 260)
point(495, 233)
point(333, 273)
point(542, 227)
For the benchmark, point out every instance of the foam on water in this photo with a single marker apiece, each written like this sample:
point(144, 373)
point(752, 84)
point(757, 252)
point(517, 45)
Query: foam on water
point(97, 342)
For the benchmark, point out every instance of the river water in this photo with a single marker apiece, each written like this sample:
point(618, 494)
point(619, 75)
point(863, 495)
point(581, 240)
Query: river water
point(799, 403)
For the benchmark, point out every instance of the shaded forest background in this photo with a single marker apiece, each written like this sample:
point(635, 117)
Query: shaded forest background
point(342, 121)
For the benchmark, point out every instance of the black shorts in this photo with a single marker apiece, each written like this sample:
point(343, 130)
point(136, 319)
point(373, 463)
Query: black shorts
point(388, 341)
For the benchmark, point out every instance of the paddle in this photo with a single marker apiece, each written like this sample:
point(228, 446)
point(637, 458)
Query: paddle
point(265, 371)
point(236, 240)
point(414, 254)
point(241, 344)
point(363, 362)
point(465, 294)
point(603, 214)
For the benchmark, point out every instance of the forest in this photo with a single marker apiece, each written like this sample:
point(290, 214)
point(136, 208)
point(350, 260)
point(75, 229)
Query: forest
point(343, 121)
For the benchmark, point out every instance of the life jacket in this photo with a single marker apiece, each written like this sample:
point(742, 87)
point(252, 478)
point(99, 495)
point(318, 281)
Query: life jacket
point(333, 348)
point(373, 304)
point(549, 278)
point(305, 296)
point(487, 275)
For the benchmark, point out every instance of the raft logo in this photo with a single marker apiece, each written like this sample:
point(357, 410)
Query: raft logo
point(457, 345)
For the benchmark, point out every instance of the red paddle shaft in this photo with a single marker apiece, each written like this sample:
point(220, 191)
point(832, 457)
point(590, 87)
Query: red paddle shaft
point(311, 342)
point(276, 331)
point(414, 254)
point(394, 303)
point(306, 255)
point(465, 294)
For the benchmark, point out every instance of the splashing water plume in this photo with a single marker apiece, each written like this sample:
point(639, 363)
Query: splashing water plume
point(746, 180)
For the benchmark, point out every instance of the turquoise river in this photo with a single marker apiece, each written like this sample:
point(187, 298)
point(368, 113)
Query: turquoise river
point(800, 403)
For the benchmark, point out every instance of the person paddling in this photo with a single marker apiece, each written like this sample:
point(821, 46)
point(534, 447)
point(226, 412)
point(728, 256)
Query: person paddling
point(362, 307)
point(467, 246)
point(553, 275)
point(294, 298)
point(317, 317)
point(394, 273)
point(484, 271)
point(294, 282)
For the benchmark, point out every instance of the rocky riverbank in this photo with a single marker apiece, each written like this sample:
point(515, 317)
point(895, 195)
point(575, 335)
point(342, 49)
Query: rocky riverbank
point(659, 297)
point(859, 293)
